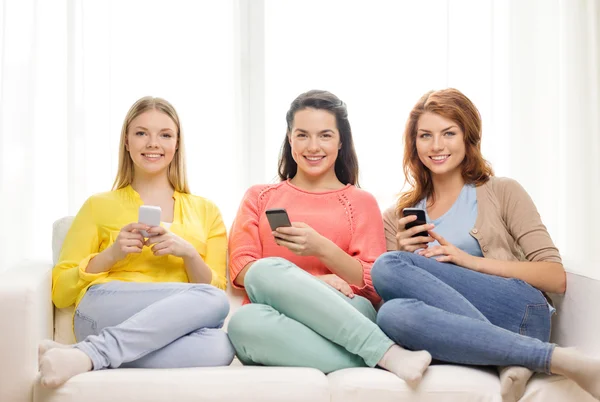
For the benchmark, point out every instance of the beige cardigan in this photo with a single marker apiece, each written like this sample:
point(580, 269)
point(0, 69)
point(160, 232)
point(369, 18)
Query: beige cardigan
point(508, 225)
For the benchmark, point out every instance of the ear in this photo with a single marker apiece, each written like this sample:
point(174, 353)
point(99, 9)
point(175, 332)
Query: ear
point(126, 143)
point(340, 146)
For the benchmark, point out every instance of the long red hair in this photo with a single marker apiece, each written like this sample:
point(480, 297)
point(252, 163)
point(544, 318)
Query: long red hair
point(453, 105)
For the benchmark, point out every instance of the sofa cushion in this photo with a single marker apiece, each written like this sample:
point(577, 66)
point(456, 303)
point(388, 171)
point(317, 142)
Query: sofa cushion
point(544, 388)
point(445, 382)
point(218, 384)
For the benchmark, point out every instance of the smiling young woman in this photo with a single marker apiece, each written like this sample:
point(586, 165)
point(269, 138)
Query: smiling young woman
point(310, 284)
point(471, 291)
point(140, 302)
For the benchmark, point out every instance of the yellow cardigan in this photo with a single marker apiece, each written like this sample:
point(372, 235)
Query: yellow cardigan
point(97, 226)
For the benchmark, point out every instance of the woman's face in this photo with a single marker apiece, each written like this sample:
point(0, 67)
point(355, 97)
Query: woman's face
point(440, 144)
point(315, 142)
point(152, 141)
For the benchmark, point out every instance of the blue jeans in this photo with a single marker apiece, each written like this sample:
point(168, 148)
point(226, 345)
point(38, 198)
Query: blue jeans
point(153, 325)
point(462, 316)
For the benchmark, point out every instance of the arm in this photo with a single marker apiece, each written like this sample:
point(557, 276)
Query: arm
point(390, 226)
point(341, 263)
point(69, 276)
point(543, 268)
point(367, 244)
point(354, 265)
point(546, 276)
point(244, 240)
point(212, 269)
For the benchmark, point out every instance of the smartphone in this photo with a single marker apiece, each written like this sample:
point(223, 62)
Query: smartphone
point(149, 215)
point(421, 219)
point(278, 217)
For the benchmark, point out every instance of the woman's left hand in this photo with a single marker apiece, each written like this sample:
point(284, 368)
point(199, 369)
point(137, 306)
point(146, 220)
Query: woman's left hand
point(447, 252)
point(300, 239)
point(166, 243)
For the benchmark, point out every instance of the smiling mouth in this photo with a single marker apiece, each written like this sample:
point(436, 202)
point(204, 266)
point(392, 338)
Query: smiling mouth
point(439, 158)
point(314, 158)
point(152, 156)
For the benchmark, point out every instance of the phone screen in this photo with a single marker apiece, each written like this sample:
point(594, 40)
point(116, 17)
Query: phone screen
point(421, 220)
point(278, 218)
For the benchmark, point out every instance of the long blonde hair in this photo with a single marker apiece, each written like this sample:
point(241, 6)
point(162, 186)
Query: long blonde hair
point(176, 171)
point(453, 105)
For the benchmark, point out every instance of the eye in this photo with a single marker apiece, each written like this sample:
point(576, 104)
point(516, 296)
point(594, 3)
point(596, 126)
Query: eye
point(326, 135)
point(140, 133)
point(450, 133)
point(300, 135)
point(167, 135)
point(424, 135)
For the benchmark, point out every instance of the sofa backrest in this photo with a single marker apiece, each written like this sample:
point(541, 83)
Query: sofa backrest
point(63, 318)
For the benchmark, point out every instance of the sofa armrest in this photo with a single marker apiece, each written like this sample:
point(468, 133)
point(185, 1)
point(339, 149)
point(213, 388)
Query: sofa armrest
point(26, 317)
point(578, 320)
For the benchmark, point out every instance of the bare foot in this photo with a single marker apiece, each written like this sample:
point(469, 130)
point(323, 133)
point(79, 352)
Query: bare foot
point(513, 380)
point(406, 364)
point(57, 365)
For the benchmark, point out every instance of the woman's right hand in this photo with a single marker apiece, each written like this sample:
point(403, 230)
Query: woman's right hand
point(129, 240)
point(404, 239)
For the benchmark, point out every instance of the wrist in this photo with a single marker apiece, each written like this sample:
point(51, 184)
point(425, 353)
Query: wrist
point(475, 264)
point(111, 255)
point(190, 253)
point(323, 248)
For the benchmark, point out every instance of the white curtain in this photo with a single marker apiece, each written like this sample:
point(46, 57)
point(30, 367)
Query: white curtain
point(70, 69)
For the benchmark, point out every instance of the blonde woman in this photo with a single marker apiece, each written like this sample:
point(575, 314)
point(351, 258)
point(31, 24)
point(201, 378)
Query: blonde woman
point(152, 302)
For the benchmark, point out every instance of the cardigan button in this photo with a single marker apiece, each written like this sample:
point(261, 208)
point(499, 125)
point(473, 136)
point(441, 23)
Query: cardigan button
point(474, 231)
point(485, 249)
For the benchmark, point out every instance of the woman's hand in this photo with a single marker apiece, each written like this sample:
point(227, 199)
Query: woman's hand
point(447, 252)
point(337, 283)
point(300, 239)
point(129, 240)
point(404, 239)
point(164, 242)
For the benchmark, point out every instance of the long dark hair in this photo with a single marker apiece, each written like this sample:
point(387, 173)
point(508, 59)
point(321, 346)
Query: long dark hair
point(346, 164)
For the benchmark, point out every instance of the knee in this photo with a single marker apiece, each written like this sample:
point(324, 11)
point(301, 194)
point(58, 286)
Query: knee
point(267, 275)
point(386, 268)
point(213, 299)
point(245, 324)
point(398, 318)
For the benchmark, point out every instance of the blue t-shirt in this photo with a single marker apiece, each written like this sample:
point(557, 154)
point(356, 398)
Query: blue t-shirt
point(456, 224)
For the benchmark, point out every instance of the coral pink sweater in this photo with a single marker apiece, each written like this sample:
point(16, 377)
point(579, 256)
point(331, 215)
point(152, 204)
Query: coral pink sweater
point(350, 217)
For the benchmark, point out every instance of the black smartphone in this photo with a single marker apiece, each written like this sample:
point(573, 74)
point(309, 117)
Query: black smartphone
point(278, 217)
point(421, 220)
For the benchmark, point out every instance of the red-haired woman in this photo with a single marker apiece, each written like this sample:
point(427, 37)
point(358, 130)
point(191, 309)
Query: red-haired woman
point(472, 290)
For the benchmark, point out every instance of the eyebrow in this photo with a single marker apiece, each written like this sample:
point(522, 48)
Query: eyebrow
point(446, 129)
point(144, 128)
point(320, 132)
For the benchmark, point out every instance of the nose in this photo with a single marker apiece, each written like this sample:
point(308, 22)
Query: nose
point(438, 143)
point(313, 144)
point(152, 141)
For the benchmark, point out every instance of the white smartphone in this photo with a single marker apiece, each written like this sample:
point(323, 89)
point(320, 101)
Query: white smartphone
point(149, 215)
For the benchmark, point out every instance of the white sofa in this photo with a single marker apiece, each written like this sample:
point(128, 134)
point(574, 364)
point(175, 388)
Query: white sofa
point(27, 316)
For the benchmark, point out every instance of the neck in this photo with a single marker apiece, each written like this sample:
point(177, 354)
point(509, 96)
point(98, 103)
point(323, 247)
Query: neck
point(448, 185)
point(148, 185)
point(325, 182)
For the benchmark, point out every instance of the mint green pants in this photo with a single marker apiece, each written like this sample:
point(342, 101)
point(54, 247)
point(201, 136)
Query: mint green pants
point(297, 320)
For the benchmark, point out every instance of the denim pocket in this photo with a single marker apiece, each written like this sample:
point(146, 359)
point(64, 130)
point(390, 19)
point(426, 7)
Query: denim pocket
point(536, 322)
point(84, 326)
